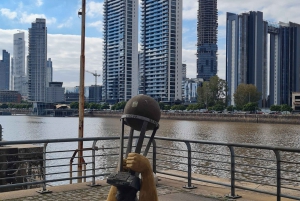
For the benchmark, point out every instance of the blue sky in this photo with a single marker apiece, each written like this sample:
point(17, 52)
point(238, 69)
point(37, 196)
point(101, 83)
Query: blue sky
point(64, 30)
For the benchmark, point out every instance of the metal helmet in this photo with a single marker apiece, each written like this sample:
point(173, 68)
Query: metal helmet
point(144, 106)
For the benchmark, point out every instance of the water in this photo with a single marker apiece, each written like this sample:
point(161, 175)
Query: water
point(34, 128)
point(31, 128)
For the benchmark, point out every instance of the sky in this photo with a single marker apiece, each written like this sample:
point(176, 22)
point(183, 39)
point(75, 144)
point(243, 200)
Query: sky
point(64, 29)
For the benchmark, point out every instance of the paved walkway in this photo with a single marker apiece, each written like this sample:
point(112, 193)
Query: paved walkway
point(81, 192)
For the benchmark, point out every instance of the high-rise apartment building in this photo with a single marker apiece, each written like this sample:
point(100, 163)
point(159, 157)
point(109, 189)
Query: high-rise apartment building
point(4, 70)
point(246, 53)
point(49, 72)
point(284, 62)
point(18, 76)
point(37, 60)
point(55, 93)
point(161, 40)
point(207, 30)
point(120, 53)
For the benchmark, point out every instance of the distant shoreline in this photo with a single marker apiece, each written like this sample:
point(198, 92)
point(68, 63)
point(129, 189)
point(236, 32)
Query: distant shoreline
point(251, 118)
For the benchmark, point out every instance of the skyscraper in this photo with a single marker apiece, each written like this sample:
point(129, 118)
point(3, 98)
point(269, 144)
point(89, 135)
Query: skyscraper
point(284, 62)
point(120, 53)
point(161, 40)
point(18, 77)
point(37, 60)
point(49, 72)
point(246, 52)
point(207, 31)
point(4, 70)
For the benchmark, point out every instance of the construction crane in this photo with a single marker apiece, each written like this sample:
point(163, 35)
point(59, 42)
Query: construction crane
point(95, 89)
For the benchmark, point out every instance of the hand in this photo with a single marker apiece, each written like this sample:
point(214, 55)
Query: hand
point(138, 163)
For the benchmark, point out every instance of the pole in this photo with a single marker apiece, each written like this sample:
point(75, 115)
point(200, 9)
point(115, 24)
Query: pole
point(81, 94)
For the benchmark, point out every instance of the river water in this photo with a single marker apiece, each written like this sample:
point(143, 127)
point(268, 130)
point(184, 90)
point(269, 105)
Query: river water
point(33, 128)
point(287, 135)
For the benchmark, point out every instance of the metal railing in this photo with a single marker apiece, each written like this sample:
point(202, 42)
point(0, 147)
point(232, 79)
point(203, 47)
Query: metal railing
point(263, 169)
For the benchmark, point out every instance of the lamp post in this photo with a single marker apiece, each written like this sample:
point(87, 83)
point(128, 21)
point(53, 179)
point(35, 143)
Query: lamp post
point(81, 93)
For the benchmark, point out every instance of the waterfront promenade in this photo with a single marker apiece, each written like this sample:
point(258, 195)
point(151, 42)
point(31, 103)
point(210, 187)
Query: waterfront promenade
point(167, 189)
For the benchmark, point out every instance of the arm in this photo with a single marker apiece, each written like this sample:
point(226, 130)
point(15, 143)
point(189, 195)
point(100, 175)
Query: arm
point(139, 163)
point(112, 194)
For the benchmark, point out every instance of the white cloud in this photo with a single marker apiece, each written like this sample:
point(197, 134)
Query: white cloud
point(39, 3)
point(67, 23)
point(94, 9)
point(190, 9)
point(98, 25)
point(7, 13)
point(29, 18)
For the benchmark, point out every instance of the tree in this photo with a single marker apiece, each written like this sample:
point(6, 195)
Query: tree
point(212, 92)
point(250, 107)
point(230, 108)
point(161, 105)
point(276, 108)
point(74, 105)
point(105, 106)
point(178, 107)
point(286, 107)
point(246, 93)
point(218, 107)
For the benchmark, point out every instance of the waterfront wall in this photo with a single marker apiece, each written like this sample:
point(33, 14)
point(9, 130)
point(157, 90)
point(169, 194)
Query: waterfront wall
point(253, 118)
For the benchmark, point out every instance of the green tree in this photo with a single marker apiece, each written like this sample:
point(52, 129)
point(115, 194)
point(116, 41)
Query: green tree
point(161, 105)
point(74, 105)
point(167, 107)
point(213, 92)
point(246, 93)
point(250, 107)
point(105, 106)
point(286, 107)
point(230, 108)
point(4, 105)
point(178, 107)
point(218, 107)
point(119, 105)
point(275, 108)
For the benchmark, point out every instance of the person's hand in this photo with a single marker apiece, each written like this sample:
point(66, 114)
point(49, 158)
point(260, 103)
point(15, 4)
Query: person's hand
point(138, 163)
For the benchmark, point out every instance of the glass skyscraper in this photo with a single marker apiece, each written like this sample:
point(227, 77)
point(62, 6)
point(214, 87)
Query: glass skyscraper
point(161, 58)
point(37, 60)
point(18, 77)
point(207, 30)
point(120, 53)
point(246, 52)
point(4, 70)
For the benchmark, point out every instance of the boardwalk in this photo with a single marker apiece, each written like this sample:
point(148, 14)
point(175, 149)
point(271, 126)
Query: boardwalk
point(168, 190)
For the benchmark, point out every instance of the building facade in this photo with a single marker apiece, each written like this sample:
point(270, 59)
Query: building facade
point(37, 60)
point(10, 96)
point(161, 44)
point(120, 53)
point(190, 89)
point(4, 70)
point(246, 53)
point(49, 72)
point(18, 76)
point(284, 63)
point(55, 93)
point(95, 94)
point(207, 31)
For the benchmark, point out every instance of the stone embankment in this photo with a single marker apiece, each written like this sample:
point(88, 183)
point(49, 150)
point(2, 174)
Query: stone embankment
point(251, 118)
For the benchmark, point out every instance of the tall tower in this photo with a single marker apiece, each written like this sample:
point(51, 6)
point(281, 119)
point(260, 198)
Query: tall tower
point(207, 30)
point(161, 39)
point(4, 70)
point(120, 55)
point(18, 77)
point(246, 53)
point(37, 60)
point(49, 74)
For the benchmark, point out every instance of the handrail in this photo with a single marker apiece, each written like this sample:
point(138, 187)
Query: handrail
point(189, 158)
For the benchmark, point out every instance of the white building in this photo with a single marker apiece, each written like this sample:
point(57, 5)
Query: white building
point(49, 72)
point(161, 39)
point(120, 51)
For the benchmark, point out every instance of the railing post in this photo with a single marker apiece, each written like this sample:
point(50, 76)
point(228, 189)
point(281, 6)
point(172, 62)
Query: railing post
point(154, 156)
point(278, 173)
point(44, 190)
point(232, 177)
point(94, 148)
point(189, 186)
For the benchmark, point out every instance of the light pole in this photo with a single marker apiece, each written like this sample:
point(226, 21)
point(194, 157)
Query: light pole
point(81, 93)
